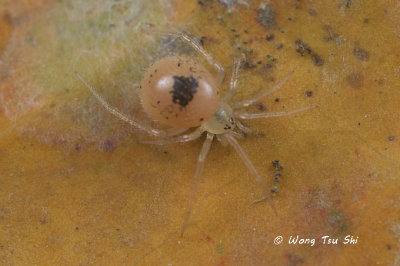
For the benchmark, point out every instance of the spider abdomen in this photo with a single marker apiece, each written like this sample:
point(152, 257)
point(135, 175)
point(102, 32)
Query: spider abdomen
point(177, 91)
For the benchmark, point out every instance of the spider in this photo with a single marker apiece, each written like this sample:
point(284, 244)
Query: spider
point(180, 93)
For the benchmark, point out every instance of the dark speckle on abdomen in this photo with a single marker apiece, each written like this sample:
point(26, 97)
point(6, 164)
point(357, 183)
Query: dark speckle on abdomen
point(183, 90)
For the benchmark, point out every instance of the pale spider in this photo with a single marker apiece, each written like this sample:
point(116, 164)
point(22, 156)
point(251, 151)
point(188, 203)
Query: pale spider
point(177, 91)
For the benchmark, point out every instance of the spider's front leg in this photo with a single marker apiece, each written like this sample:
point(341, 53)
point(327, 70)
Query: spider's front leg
point(262, 94)
point(232, 141)
point(237, 63)
point(245, 115)
point(196, 179)
point(245, 103)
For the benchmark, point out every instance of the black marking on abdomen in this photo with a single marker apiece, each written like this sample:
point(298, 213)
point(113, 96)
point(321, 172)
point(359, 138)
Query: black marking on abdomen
point(183, 90)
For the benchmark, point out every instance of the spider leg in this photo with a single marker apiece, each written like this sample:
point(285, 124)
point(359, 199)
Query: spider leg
point(237, 62)
point(185, 37)
point(262, 94)
point(222, 140)
point(180, 139)
point(117, 113)
point(232, 141)
point(244, 115)
point(242, 127)
point(196, 179)
point(240, 135)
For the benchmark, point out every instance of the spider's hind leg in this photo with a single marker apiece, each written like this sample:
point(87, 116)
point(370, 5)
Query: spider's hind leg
point(189, 40)
point(262, 94)
point(114, 111)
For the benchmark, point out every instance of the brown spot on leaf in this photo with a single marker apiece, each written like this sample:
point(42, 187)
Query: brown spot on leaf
point(266, 70)
point(318, 61)
point(293, 259)
point(249, 64)
point(361, 54)
point(109, 145)
point(6, 26)
point(266, 16)
point(270, 37)
point(332, 35)
point(355, 80)
point(312, 12)
point(78, 147)
point(260, 106)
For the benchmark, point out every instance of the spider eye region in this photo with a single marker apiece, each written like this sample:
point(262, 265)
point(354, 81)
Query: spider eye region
point(178, 91)
point(183, 90)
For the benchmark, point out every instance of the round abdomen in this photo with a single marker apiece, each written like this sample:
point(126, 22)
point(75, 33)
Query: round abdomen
point(177, 91)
